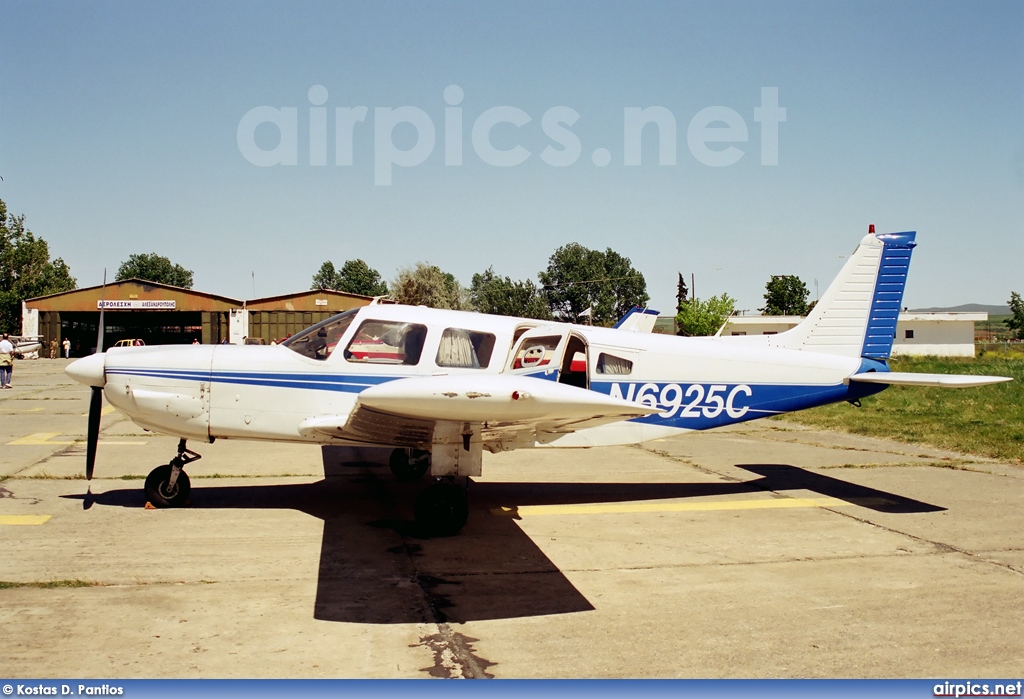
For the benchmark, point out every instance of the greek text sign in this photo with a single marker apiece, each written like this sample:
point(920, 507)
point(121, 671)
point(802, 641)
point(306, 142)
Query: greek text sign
point(137, 305)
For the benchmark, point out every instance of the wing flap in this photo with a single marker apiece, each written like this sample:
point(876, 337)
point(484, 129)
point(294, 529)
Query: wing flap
point(902, 378)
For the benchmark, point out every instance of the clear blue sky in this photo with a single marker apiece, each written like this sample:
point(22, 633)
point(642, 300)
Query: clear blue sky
point(119, 134)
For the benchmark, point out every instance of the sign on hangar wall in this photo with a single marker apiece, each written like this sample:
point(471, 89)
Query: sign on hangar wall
point(137, 305)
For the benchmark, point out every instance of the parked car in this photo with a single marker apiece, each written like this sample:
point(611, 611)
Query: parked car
point(134, 342)
point(255, 341)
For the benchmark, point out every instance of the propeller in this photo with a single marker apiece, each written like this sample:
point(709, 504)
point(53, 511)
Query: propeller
point(93, 435)
point(96, 401)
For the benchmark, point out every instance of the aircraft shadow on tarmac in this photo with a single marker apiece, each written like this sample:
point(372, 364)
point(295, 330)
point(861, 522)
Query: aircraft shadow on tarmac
point(492, 570)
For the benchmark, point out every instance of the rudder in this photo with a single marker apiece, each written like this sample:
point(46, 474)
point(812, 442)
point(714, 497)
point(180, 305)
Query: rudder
point(857, 315)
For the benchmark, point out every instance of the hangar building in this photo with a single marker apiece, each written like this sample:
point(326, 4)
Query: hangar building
point(159, 314)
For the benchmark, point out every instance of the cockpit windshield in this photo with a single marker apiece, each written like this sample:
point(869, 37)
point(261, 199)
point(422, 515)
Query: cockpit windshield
point(318, 341)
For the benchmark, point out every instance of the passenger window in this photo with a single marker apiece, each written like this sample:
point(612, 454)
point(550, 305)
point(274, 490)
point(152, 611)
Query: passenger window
point(387, 342)
point(318, 341)
point(610, 364)
point(465, 349)
point(536, 352)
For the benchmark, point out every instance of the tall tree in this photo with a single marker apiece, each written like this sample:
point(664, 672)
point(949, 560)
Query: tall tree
point(326, 278)
point(699, 318)
point(785, 295)
point(357, 277)
point(427, 285)
point(354, 277)
point(682, 293)
point(1016, 321)
point(26, 270)
point(579, 279)
point(502, 296)
point(154, 268)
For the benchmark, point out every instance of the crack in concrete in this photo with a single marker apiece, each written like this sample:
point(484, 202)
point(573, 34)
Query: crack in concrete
point(454, 654)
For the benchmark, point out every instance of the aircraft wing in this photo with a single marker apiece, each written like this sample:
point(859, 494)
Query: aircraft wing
point(902, 378)
point(509, 408)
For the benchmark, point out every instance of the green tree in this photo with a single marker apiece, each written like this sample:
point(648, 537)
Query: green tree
point(700, 318)
point(1016, 321)
point(502, 296)
point(682, 293)
point(26, 270)
point(154, 268)
point(786, 295)
point(326, 278)
point(578, 279)
point(428, 285)
point(354, 277)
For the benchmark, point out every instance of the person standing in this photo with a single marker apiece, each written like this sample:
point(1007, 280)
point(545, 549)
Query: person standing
point(67, 348)
point(6, 361)
point(53, 348)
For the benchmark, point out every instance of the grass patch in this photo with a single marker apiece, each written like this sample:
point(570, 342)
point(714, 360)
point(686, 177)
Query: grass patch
point(987, 421)
point(50, 585)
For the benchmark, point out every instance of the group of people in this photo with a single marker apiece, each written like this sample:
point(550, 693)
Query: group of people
point(66, 346)
point(7, 352)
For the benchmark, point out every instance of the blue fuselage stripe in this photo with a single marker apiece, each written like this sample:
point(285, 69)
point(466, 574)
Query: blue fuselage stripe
point(685, 405)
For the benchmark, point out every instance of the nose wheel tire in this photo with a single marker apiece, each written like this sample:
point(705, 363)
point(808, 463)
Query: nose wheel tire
point(442, 509)
point(409, 464)
point(160, 493)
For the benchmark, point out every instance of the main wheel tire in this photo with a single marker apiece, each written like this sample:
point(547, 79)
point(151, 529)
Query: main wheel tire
point(159, 494)
point(442, 509)
point(409, 464)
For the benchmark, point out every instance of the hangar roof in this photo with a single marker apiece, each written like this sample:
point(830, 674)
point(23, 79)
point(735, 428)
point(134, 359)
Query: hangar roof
point(315, 300)
point(133, 292)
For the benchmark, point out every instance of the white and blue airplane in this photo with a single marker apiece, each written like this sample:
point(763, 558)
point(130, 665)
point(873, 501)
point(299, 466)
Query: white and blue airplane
point(441, 387)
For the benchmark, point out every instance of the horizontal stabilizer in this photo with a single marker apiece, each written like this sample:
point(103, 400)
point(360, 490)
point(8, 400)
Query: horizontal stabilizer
point(902, 378)
point(638, 320)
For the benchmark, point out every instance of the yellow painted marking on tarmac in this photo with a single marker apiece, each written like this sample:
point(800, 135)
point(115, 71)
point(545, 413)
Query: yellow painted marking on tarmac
point(107, 409)
point(22, 520)
point(46, 439)
point(644, 507)
point(23, 410)
point(37, 438)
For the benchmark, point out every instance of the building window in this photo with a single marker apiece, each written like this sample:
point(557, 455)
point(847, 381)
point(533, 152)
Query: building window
point(908, 334)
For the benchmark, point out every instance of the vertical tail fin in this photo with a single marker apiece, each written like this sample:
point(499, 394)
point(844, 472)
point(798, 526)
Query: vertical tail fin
point(856, 317)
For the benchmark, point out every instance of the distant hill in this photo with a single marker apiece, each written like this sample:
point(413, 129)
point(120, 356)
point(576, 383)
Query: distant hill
point(967, 308)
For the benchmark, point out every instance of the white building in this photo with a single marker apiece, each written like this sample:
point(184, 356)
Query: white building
point(934, 334)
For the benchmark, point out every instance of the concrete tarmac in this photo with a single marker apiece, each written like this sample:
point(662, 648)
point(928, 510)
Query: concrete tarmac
point(763, 550)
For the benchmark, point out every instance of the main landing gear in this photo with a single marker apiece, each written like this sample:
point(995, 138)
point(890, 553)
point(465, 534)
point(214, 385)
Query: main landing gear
point(169, 485)
point(442, 508)
point(409, 464)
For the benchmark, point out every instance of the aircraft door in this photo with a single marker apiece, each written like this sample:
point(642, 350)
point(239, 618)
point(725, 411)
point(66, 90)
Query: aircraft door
point(539, 353)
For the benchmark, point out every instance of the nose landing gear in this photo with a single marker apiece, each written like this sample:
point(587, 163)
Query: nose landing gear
point(169, 485)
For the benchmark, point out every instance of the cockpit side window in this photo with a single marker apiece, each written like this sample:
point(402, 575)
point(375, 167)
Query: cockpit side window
point(387, 342)
point(466, 349)
point(318, 341)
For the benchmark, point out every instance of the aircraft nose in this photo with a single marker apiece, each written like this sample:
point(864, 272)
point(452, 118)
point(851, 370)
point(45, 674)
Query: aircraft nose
point(88, 370)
